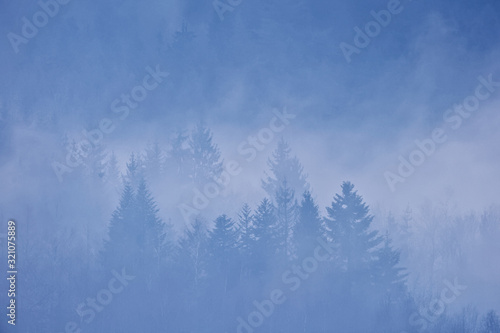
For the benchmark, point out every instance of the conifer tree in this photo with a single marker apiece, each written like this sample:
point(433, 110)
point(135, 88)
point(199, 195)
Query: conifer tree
point(245, 218)
point(223, 269)
point(192, 254)
point(178, 163)
point(191, 269)
point(355, 246)
point(388, 277)
point(152, 239)
point(134, 173)
point(284, 167)
point(286, 217)
point(262, 247)
point(113, 172)
point(94, 161)
point(490, 323)
point(349, 223)
point(309, 226)
point(153, 162)
point(205, 156)
point(121, 247)
point(223, 244)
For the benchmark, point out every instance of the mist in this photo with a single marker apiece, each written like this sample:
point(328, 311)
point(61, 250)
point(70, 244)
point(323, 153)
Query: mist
point(250, 166)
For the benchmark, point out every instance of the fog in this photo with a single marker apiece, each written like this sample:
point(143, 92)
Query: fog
point(132, 137)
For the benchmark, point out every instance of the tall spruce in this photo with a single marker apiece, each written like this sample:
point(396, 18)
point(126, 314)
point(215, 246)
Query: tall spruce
point(113, 176)
point(153, 162)
point(387, 275)
point(490, 323)
point(223, 269)
point(349, 225)
point(286, 217)
point(192, 254)
point(284, 167)
point(222, 245)
point(262, 247)
point(120, 249)
point(178, 163)
point(135, 171)
point(245, 218)
point(206, 159)
point(309, 226)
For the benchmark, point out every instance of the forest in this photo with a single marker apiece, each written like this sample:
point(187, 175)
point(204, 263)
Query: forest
point(279, 264)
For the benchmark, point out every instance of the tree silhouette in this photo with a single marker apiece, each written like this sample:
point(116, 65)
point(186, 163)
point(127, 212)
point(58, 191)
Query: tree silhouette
point(284, 167)
point(262, 245)
point(154, 162)
point(309, 226)
point(286, 217)
point(205, 156)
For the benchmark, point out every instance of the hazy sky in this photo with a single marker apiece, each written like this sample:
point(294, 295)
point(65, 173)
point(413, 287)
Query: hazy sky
point(353, 119)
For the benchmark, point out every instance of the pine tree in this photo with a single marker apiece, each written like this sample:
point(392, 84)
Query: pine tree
point(120, 248)
point(136, 234)
point(113, 172)
point(152, 240)
point(388, 287)
point(491, 323)
point(262, 245)
point(153, 162)
point(223, 269)
point(309, 226)
point(349, 224)
point(283, 167)
point(178, 163)
point(183, 36)
point(136, 244)
point(387, 276)
point(223, 244)
point(405, 234)
point(190, 266)
point(205, 156)
point(94, 161)
point(192, 254)
point(135, 172)
point(286, 217)
point(245, 219)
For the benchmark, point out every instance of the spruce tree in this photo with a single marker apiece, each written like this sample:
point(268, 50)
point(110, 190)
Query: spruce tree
point(135, 172)
point(349, 224)
point(355, 245)
point(490, 323)
point(223, 244)
point(152, 239)
point(94, 161)
point(113, 173)
point(309, 226)
point(205, 156)
point(388, 277)
point(262, 247)
point(191, 267)
point(120, 249)
point(284, 167)
point(137, 236)
point(223, 270)
point(245, 218)
point(192, 254)
point(153, 162)
point(286, 217)
point(178, 163)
